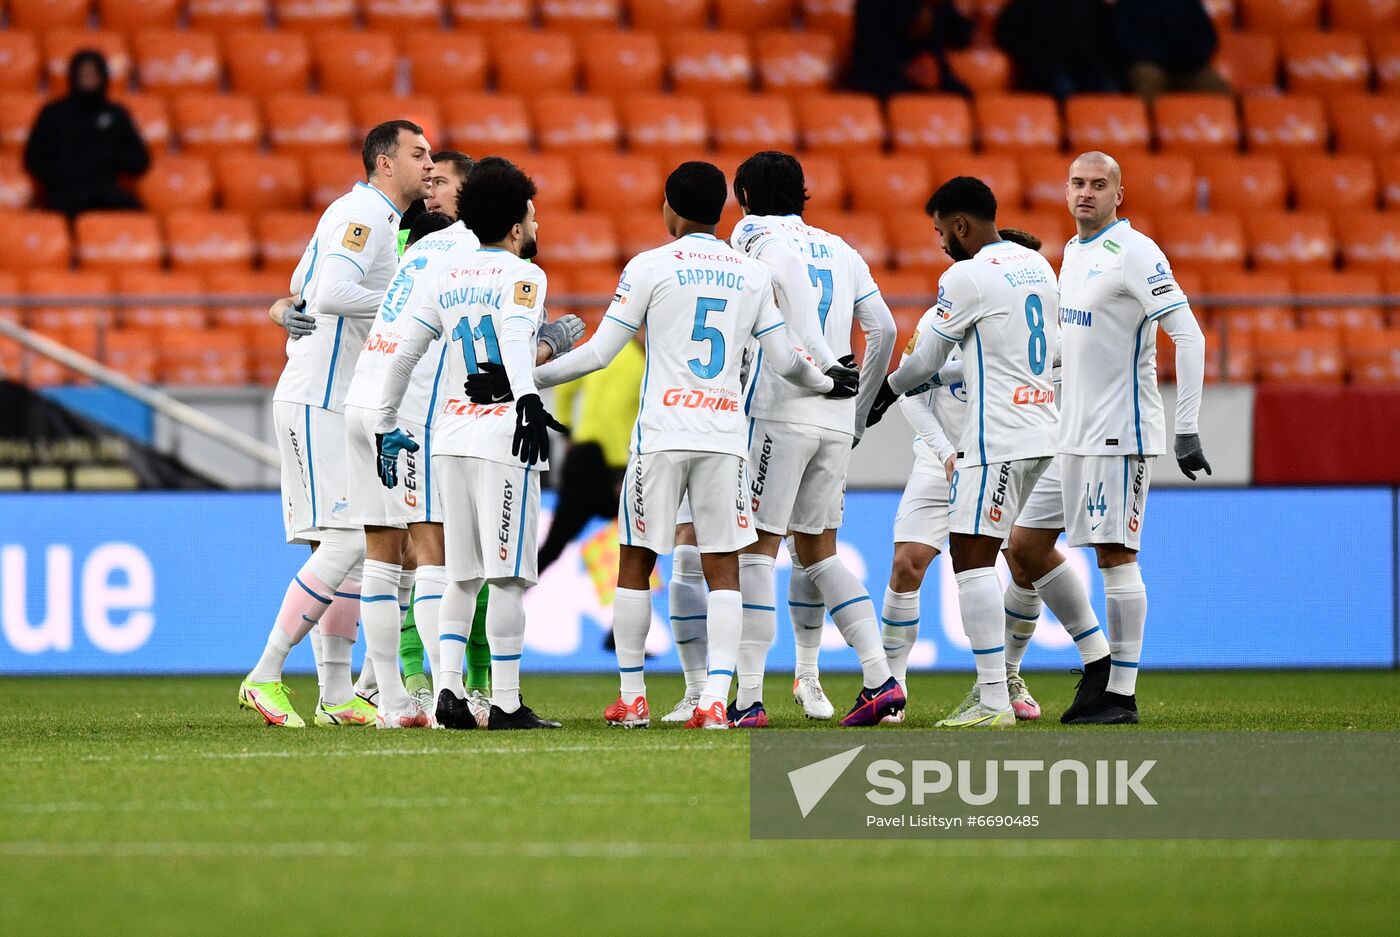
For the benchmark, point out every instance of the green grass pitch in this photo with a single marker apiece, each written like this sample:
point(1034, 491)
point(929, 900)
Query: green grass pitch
point(152, 806)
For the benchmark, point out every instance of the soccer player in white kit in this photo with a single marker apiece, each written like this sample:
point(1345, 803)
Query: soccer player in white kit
point(999, 302)
point(340, 282)
point(1116, 288)
point(486, 308)
point(800, 447)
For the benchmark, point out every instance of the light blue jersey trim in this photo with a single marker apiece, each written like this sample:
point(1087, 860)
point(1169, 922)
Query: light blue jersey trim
point(641, 406)
point(330, 372)
point(387, 200)
point(310, 467)
point(1166, 309)
point(775, 326)
point(626, 325)
point(981, 493)
point(943, 334)
point(352, 261)
point(1101, 232)
point(437, 332)
point(753, 386)
point(862, 299)
point(428, 440)
point(520, 541)
point(981, 407)
point(1137, 386)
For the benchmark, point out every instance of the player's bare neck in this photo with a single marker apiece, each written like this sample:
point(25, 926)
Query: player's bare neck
point(692, 227)
point(979, 236)
point(376, 183)
point(1087, 232)
point(507, 245)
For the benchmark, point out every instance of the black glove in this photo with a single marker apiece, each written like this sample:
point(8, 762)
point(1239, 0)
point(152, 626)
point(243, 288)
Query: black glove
point(1189, 455)
point(845, 382)
point(532, 426)
point(489, 385)
point(884, 399)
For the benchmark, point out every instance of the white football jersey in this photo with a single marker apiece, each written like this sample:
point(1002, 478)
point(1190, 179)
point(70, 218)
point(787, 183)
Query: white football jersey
point(1113, 289)
point(467, 308)
point(838, 279)
point(1002, 307)
point(701, 302)
point(947, 402)
point(355, 239)
point(418, 272)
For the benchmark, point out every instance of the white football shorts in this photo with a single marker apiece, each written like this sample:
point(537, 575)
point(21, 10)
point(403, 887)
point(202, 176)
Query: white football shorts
point(985, 499)
point(315, 495)
point(370, 502)
point(1105, 498)
point(490, 519)
point(922, 516)
point(799, 477)
point(716, 485)
point(1045, 508)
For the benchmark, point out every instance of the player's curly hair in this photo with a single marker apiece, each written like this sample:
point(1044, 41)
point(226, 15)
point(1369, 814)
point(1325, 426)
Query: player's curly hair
point(494, 198)
point(1023, 238)
point(963, 195)
point(425, 224)
point(771, 183)
point(383, 140)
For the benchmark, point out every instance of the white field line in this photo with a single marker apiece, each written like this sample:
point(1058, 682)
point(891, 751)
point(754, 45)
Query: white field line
point(545, 801)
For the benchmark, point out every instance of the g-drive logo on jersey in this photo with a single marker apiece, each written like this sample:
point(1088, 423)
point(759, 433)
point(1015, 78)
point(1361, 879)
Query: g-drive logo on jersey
point(718, 399)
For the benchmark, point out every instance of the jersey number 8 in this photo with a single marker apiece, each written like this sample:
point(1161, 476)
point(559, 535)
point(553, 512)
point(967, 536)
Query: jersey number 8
point(1037, 346)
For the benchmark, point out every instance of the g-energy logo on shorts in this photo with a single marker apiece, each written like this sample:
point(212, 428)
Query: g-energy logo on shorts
point(721, 401)
point(1135, 521)
point(999, 494)
point(507, 512)
point(758, 480)
point(410, 479)
point(639, 518)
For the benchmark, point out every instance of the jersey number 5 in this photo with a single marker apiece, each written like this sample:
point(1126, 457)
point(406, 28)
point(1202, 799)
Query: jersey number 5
point(708, 333)
point(485, 330)
point(1035, 321)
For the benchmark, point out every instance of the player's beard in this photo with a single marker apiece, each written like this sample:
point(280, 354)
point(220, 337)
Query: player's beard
point(529, 248)
point(956, 250)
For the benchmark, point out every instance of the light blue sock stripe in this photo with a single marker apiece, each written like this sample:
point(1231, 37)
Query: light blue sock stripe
point(311, 592)
point(727, 673)
point(859, 598)
point(453, 637)
point(761, 608)
point(349, 595)
point(630, 669)
point(1021, 617)
point(1093, 630)
point(990, 650)
point(900, 624)
point(378, 598)
point(1124, 663)
point(505, 657)
point(426, 598)
point(688, 641)
point(804, 604)
point(689, 617)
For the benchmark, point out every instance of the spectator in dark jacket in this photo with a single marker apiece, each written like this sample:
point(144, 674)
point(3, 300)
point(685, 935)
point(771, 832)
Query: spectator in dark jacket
point(902, 45)
point(82, 143)
point(1166, 45)
point(1059, 47)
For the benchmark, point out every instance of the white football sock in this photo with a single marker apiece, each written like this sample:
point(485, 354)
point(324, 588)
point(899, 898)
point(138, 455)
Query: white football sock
point(339, 627)
point(983, 618)
point(1065, 595)
point(308, 596)
point(760, 625)
point(900, 618)
point(723, 624)
point(367, 683)
point(316, 656)
point(1022, 610)
point(687, 602)
point(631, 621)
point(505, 630)
point(807, 612)
point(454, 629)
point(1126, 600)
point(854, 614)
point(430, 582)
point(379, 613)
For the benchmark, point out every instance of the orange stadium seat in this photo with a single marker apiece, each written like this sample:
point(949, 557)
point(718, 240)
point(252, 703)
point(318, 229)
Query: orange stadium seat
point(1245, 183)
point(1236, 289)
point(442, 63)
point(1330, 290)
point(403, 16)
point(622, 63)
point(865, 231)
point(213, 357)
point(982, 68)
point(9, 287)
point(490, 16)
point(354, 63)
point(1284, 124)
point(18, 109)
point(579, 239)
point(151, 115)
point(221, 16)
point(930, 122)
point(1248, 61)
point(36, 240)
point(554, 176)
point(1333, 183)
point(1323, 63)
point(83, 338)
point(533, 62)
point(1197, 240)
point(263, 62)
point(80, 297)
point(1192, 123)
point(1366, 123)
point(61, 44)
point(1114, 122)
point(1372, 355)
point(240, 298)
point(267, 353)
point(254, 182)
point(283, 236)
point(116, 240)
point(176, 182)
point(753, 122)
point(207, 124)
point(1017, 121)
point(635, 233)
point(132, 351)
point(841, 123)
point(1385, 56)
point(205, 240)
point(888, 183)
point(663, 121)
point(1364, 15)
point(371, 109)
point(998, 170)
point(576, 122)
point(707, 62)
point(48, 14)
point(1043, 179)
point(329, 174)
point(825, 180)
point(1229, 357)
point(481, 124)
point(1281, 16)
point(1289, 240)
point(314, 16)
point(1311, 356)
point(16, 187)
point(750, 15)
point(19, 61)
point(307, 122)
point(914, 245)
point(1369, 240)
point(661, 15)
point(833, 17)
point(620, 182)
point(1388, 177)
point(177, 60)
point(158, 284)
point(795, 61)
point(580, 15)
